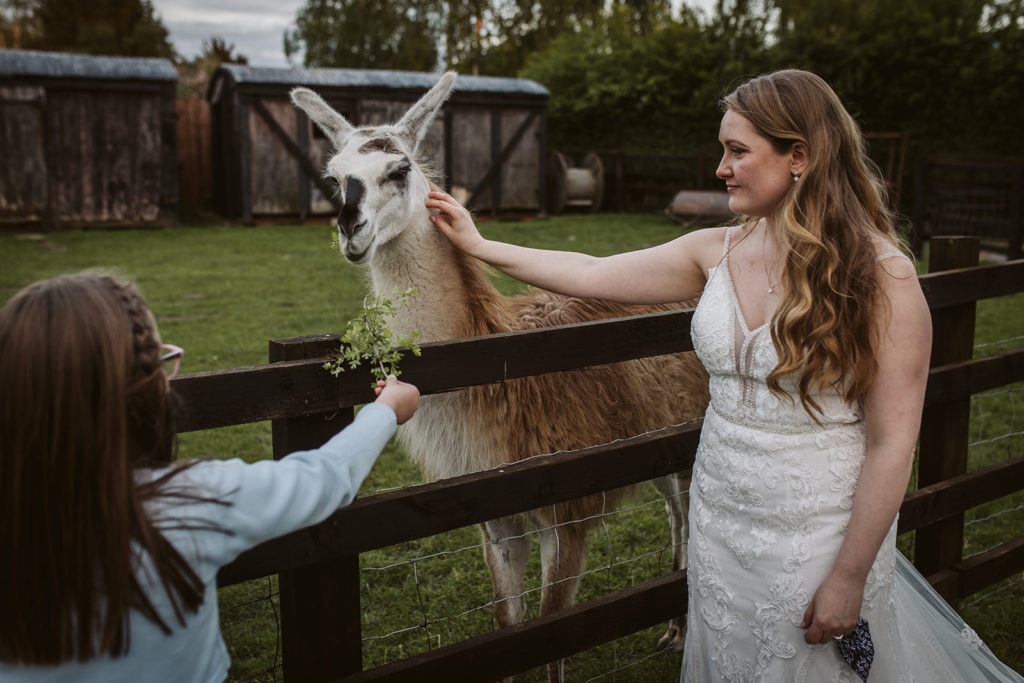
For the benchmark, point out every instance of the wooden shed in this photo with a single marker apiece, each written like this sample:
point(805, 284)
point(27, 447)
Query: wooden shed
point(268, 157)
point(87, 140)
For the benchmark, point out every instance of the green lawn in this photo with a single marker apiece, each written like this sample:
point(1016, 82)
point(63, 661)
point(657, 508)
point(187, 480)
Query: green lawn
point(222, 291)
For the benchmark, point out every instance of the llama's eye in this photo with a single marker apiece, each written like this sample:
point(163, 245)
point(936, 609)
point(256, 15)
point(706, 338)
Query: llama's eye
point(399, 173)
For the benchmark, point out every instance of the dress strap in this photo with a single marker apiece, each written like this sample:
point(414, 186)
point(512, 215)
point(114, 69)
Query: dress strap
point(725, 244)
point(890, 254)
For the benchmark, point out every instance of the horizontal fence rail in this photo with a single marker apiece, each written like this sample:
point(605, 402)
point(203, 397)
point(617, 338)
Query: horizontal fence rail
point(293, 388)
point(418, 511)
point(533, 643)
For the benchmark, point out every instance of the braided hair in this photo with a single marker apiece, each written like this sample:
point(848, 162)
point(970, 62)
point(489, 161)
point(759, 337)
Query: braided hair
point(85, 404)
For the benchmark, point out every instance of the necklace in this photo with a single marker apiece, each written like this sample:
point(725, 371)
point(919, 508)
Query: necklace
point(764, 241)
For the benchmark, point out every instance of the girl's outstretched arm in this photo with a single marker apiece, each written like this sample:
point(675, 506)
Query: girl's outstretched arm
point(665, 273)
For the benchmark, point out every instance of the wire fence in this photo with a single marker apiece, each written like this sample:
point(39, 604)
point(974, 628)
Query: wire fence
point(250, 613)
point(630, 544)
point(423, 595)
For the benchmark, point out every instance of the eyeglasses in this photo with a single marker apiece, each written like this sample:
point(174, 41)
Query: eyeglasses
point(171, 354)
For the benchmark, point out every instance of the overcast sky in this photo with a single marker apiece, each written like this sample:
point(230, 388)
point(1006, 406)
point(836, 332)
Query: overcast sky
point(255, 27)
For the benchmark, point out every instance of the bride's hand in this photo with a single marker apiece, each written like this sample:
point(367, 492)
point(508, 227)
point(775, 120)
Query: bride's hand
point(833, 610)
point(454, 221)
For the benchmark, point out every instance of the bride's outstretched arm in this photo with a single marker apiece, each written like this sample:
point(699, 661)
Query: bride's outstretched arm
point(892, 413)
point(665, 273)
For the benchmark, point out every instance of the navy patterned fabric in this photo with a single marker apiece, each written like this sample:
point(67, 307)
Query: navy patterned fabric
point(858, 650)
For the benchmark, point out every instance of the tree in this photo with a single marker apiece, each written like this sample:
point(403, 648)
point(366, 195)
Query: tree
point(934, 69)
point(113, 27)
point(399, 34)
point(194, 75)
point(493, 37)
point(17, 24)
point(616, 87)
point(513, 31)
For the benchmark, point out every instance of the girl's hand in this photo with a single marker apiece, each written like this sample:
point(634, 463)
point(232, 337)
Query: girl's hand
point(454, 221)
point(833, 610)
point(401, 397)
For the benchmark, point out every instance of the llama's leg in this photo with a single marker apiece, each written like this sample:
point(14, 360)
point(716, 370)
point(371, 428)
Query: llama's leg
point(677, 500)
point(563, 557)
point(506, 550)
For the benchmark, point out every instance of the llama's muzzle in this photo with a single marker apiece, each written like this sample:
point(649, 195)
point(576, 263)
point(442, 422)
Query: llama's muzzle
point(348, 217)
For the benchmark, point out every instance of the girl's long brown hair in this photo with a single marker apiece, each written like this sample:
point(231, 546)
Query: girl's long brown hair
point(831, 219)
point(84, 402)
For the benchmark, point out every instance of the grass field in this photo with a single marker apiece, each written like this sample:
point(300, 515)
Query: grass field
point(222, 291)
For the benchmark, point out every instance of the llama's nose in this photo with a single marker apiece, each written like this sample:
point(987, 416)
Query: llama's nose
point(348, 218)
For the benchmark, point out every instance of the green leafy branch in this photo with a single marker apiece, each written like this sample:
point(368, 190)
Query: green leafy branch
point(368, 337)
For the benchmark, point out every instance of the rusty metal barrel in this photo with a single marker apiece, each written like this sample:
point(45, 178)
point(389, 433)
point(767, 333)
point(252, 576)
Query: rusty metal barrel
point(575, 186)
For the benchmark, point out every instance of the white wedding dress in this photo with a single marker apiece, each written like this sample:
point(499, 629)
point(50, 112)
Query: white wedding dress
point(770, 499)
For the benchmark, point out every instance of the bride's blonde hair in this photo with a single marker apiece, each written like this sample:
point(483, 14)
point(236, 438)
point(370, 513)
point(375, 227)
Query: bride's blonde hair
point(831, 220)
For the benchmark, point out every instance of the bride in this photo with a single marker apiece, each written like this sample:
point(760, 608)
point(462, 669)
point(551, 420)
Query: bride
point(816, 336)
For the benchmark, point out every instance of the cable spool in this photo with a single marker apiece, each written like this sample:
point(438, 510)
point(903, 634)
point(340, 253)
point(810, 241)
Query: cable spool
point(692, 206)
point(575, 186)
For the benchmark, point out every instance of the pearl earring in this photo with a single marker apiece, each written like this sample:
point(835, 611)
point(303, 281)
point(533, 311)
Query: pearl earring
point(796, 177)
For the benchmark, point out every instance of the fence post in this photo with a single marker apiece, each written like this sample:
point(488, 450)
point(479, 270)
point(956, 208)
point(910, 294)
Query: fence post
point(320, 615)
point(945, 427)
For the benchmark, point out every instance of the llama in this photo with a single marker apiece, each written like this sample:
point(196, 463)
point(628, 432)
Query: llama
point(384, 226)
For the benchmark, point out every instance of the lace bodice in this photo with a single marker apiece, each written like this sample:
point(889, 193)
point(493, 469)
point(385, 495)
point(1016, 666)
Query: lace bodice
point(739, 360)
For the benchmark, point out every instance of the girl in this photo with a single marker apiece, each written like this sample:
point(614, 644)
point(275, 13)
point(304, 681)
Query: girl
point(111, 550)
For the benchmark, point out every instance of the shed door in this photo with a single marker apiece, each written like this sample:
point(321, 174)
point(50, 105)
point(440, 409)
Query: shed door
point(22, 165)
point(497, 148)
point(104, 149)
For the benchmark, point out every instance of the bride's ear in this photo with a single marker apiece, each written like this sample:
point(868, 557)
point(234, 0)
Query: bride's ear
point(799, 156)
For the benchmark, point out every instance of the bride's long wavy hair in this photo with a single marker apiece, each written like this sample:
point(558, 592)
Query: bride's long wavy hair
point(828, 225)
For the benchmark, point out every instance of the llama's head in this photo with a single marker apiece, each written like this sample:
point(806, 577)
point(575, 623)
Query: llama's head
point(379, 184)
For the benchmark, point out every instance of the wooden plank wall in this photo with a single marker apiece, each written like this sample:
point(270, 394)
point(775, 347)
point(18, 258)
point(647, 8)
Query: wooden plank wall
point(105, 156)
point(23, 164)
point(77, 156)
point(195, 168)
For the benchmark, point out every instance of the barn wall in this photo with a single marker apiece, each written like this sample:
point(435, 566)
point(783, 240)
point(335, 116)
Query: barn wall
point(471, 150)
point(275, 174)
point(77, 154)
point(105, 153)
point(520, 176)
point(23, 169)
point(262, 179)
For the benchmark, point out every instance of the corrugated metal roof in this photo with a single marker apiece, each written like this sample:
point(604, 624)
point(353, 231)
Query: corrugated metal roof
point(378, 78)
point(28, 63)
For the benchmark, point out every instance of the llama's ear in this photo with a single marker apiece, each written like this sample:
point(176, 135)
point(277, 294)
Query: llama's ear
point(333, 124)
point(413, 126)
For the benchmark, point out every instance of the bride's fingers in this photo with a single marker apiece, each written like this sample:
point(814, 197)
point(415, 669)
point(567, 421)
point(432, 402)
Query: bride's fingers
point(808, 616)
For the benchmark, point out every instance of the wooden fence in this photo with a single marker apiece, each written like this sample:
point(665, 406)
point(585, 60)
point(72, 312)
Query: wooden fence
point(319, 566)
point(970, 197)
point(195, 165)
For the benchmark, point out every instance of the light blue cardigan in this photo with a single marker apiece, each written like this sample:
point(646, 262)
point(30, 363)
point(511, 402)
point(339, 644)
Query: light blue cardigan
point(267, 499)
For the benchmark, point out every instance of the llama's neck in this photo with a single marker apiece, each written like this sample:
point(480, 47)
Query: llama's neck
point(455, 299)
